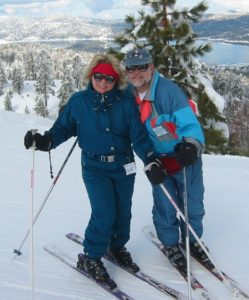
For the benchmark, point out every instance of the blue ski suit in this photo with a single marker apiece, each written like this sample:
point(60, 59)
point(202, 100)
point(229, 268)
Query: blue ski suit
point(170, 107)
point(107, 127)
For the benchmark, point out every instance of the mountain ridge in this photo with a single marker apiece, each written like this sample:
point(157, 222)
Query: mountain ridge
point(48, 28)
point(233, 27)
point(229, 27)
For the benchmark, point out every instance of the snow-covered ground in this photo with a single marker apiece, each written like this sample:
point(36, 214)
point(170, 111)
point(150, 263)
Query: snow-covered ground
point(67, 210)
point(27, 98)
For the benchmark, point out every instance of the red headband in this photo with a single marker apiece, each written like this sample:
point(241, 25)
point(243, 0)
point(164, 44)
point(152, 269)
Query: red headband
point(106, 69)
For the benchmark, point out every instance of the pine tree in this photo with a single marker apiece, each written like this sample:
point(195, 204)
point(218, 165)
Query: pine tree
point(30, 66)
point(7, 101)
point(67, 87)
point(167, 34)
point(234, 87)
point(26, 110)
point(45, 83)
point(3, 78)
point(77, 71)
point(17, 80)
point(40, 107)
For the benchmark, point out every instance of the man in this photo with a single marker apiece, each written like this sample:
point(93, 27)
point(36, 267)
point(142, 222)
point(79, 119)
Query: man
point(177, 135)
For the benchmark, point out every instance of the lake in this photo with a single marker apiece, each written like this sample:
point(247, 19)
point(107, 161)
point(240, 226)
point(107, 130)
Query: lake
point(226, 54)
point(222, 53)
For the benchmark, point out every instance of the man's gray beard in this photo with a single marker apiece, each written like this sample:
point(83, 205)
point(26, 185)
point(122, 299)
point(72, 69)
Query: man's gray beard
point(139, 84)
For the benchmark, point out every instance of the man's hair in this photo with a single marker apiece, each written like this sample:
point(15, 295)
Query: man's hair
point(107, 59)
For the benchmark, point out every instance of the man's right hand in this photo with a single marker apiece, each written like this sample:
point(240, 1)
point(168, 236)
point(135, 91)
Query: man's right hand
point(40, 142)
point(186, 153)
point(155, 171)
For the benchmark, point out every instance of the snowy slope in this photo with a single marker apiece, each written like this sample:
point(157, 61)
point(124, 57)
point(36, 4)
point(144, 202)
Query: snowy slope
point(67, 209)
point(27, 99)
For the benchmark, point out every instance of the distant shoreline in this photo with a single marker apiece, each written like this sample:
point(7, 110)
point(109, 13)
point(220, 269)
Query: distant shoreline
point(221, 40)
point(3, 42)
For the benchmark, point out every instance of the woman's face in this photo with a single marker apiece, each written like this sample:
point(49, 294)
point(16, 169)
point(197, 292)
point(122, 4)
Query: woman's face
point(103, 83)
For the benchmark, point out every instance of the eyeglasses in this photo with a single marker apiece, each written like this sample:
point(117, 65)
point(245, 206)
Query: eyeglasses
point(108, 78)
point(141, 68)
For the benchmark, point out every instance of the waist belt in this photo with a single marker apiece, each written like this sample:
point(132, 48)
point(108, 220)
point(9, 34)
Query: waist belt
point(106, 158)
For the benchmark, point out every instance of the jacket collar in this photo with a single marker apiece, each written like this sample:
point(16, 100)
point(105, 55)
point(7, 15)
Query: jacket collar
point(102, 102)
point(151, 92)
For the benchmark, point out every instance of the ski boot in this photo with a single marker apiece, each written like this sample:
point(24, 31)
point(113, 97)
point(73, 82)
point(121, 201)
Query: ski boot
point(123, 258)
point(96, 270)
point(198, 253)
point(177, 259)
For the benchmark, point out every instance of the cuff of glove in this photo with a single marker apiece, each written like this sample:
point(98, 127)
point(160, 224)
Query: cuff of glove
point(155, 172)
point(155, 162)
point(150, 157)
point(46, 144)
point(200, 148)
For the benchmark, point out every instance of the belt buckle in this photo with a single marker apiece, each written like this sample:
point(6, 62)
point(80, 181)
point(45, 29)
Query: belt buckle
point(110, 158)
point(107, 158)
point(102, 158)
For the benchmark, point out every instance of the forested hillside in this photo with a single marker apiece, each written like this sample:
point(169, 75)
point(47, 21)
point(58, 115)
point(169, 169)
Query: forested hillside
point(226, 27)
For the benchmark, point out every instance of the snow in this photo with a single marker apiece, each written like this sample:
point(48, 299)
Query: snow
point(127, 48)
point(217, 99)
point(225, 15)
point(68, 210)
point(27, 96)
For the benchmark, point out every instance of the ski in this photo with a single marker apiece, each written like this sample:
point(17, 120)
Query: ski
point(144, 277)
point(228, 281)
point(199, 289)
point(63, 257)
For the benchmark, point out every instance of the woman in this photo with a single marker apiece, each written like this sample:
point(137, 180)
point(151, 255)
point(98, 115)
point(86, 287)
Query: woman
point(106, 122)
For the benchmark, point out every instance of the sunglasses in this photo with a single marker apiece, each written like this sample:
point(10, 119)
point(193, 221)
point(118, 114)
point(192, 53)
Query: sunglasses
point(141, 68)
point(108, 78)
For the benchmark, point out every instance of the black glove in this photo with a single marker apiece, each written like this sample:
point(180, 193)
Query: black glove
point(42, 142)
point(155, 171)
point(185, 153)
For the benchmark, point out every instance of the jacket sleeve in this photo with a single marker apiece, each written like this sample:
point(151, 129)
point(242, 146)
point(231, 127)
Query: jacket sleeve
point(187, 125)
point(181, 114)
point(64, 127)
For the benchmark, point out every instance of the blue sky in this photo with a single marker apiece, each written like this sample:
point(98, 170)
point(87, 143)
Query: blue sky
point(107, 9)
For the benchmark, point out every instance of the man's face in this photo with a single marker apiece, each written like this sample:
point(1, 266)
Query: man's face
point(140, 76)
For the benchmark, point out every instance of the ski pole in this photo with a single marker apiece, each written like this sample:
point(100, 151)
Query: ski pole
point(31, 218)
point(185, 199)
point(18, 251)
point(193, 232)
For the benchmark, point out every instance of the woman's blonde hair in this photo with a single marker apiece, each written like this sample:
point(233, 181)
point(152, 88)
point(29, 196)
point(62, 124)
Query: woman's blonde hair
point(107, 59)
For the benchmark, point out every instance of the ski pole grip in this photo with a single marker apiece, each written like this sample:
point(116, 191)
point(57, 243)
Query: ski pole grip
point(33, 133)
